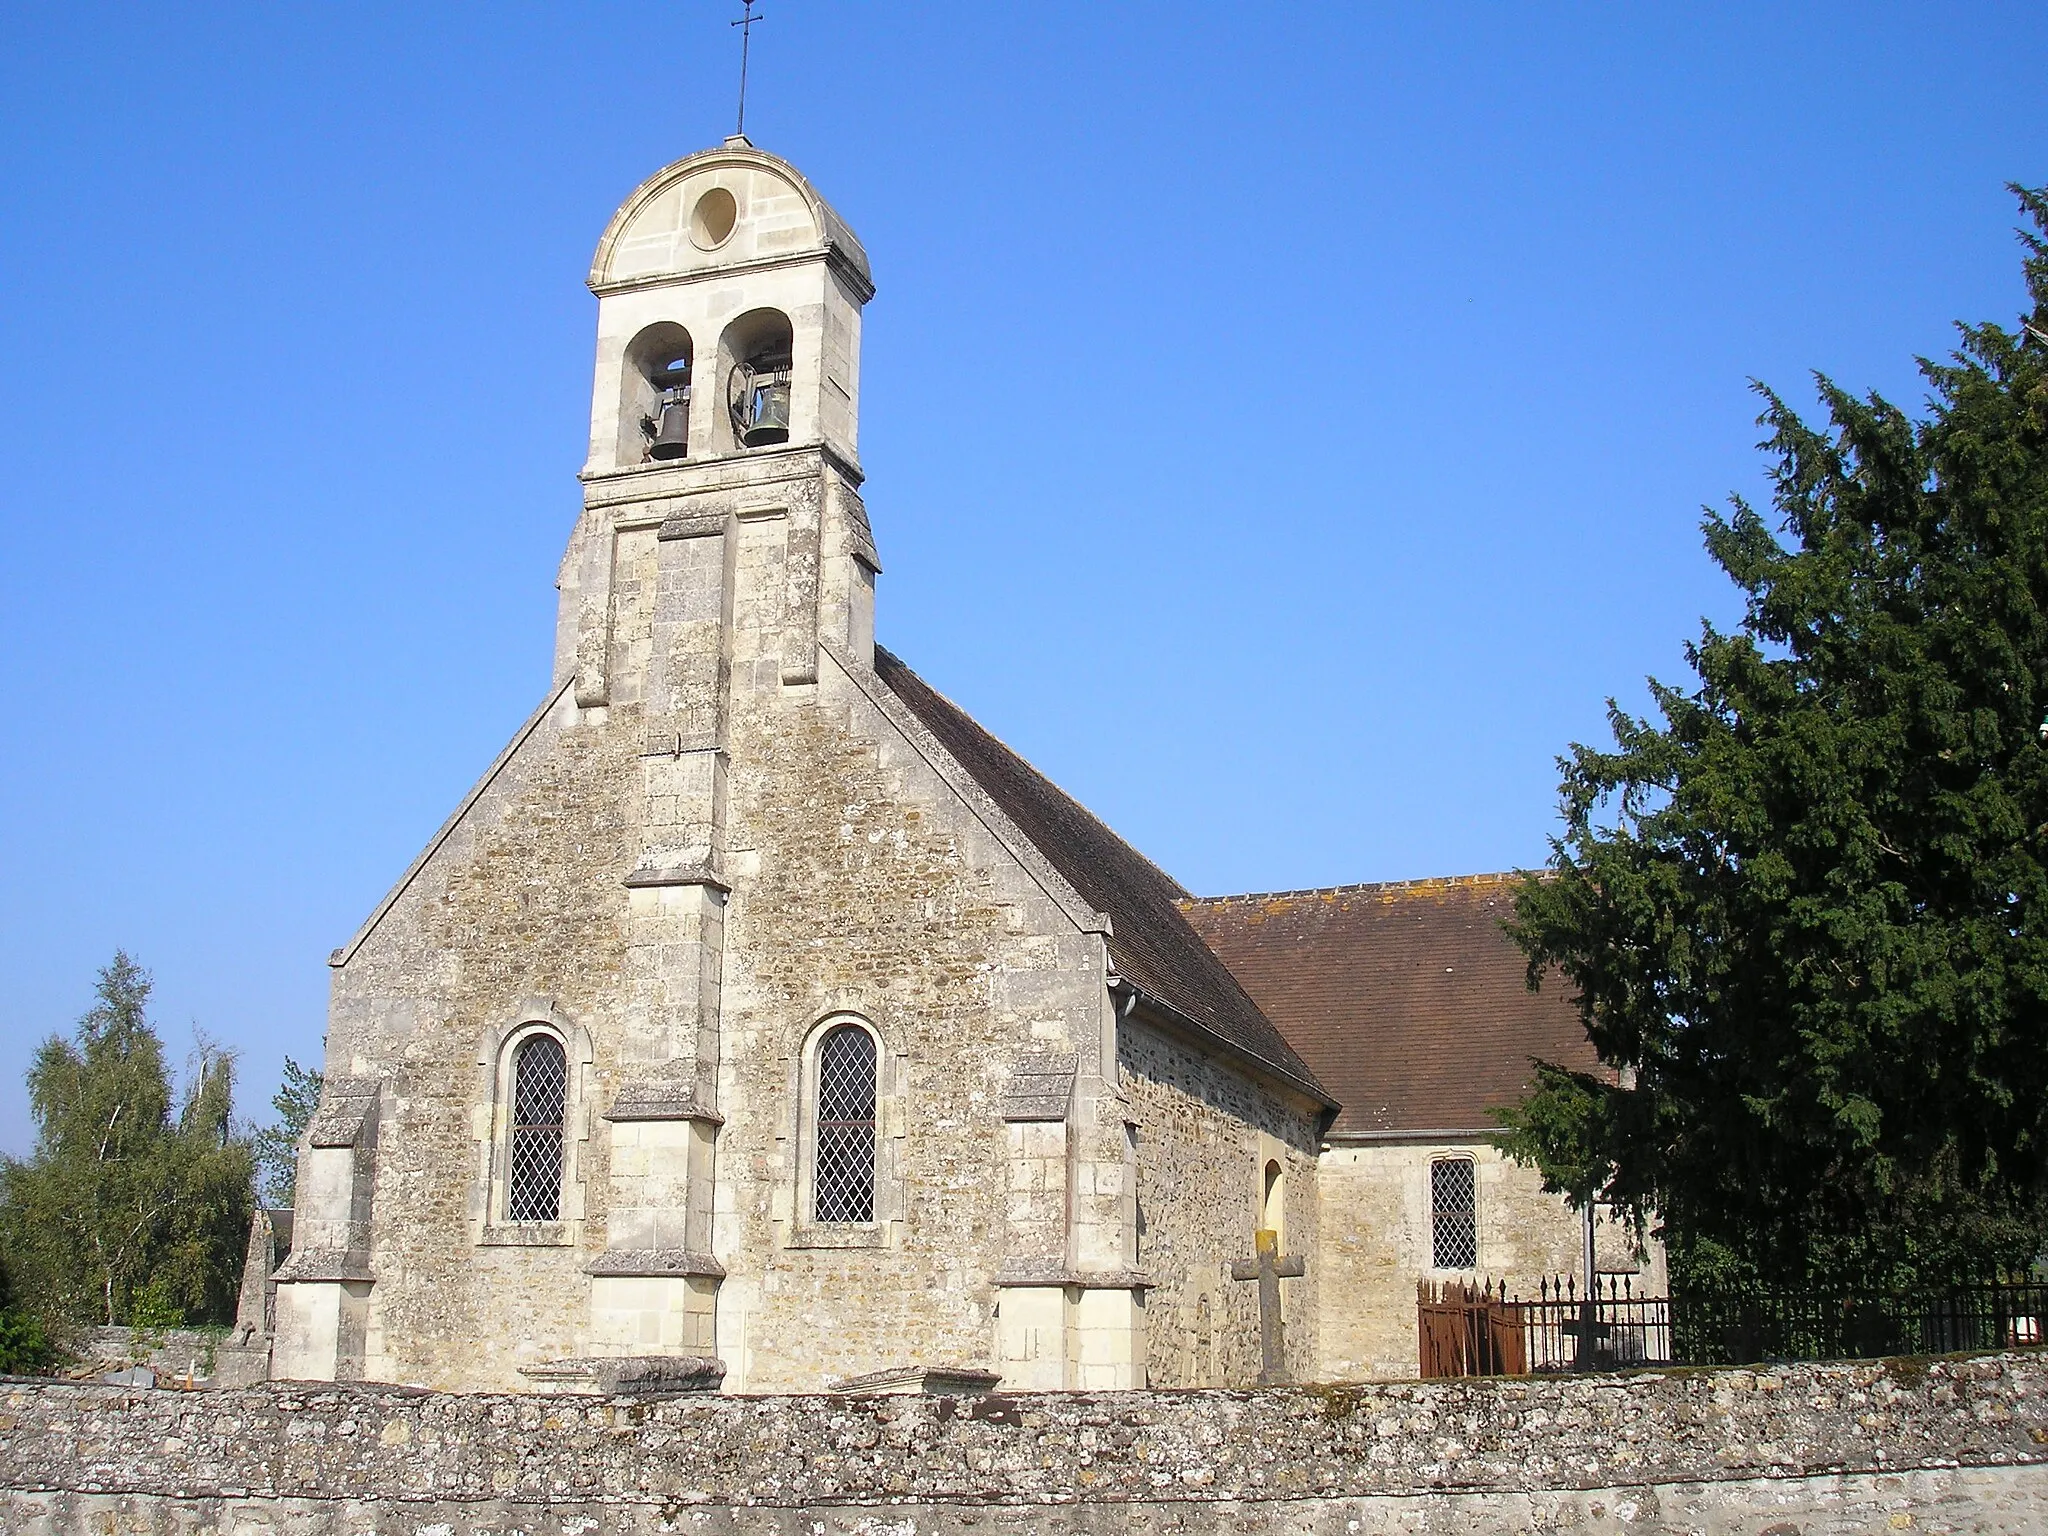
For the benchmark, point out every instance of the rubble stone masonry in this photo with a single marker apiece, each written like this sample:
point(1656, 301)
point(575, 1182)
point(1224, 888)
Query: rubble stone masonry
point(1204, 1137)
point(1944, 1446)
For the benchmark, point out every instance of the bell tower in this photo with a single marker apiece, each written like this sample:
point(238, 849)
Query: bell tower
point(727, 383)
point(725, 278)
point(722, 544)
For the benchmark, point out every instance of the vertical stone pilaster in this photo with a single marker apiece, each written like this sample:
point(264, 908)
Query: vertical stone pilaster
point(1109, 1339)
point(687, 689)
point(846, 588)
point(1070, 1303)
point(1031, 1308)
point(587, 581)
point(654, 1288)
point(1103, 1233)
point(800, 572)
point(1032, 1338)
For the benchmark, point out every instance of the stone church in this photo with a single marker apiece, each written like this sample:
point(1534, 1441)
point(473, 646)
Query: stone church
point(761, 1022)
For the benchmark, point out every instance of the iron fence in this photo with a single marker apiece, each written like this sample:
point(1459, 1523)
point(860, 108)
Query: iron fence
point(1738, 1328)
point(1611, 1329)
point(1480, 1330)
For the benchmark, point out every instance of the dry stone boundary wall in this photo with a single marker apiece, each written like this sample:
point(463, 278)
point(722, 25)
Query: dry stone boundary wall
point(1946, 1445)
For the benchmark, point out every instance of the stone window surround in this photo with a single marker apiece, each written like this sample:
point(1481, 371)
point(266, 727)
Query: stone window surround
point(802, 1230)
point(534, 1017)
point(1273, 1197)
point(1269, 1202)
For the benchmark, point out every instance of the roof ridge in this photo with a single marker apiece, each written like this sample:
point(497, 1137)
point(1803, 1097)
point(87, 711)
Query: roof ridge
point(1423, 883)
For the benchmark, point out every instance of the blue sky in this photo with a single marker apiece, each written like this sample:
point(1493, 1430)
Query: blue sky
point(1285, 424)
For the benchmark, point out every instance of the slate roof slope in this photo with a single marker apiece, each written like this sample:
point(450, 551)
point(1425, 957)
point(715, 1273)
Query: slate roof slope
point(1150, 941)
point(1407, 999)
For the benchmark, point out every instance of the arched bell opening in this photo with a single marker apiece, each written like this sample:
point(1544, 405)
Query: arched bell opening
point(757, 351)
point(654, 413)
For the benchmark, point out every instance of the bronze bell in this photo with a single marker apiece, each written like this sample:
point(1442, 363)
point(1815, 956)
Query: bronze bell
point(671, 425)
point(767, 411)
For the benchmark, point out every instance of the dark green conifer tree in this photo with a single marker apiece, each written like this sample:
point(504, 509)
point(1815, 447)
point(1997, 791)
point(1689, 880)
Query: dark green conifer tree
point(1806, 910)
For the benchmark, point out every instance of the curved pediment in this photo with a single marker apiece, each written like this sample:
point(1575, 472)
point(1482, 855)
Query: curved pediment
point(721, 207)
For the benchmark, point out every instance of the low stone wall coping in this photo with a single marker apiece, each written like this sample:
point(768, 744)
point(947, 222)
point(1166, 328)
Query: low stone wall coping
point(324, 1441)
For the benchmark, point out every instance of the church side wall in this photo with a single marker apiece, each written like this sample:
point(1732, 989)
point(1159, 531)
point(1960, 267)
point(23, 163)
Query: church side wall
point(1205, 1131)
point(1375, 1245)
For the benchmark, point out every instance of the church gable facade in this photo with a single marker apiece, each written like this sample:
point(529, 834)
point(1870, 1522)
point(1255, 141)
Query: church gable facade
point(759, 1020)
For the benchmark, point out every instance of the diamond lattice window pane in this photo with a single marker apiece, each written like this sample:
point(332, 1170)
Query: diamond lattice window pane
point(843, 1178)
point(1454, 1226)
point(846, 1173)
point(540, 1091)
point(540, 1082)
point(536, 1193)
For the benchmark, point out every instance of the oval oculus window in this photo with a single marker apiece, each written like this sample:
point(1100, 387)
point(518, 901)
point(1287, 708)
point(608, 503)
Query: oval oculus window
point(711, 221)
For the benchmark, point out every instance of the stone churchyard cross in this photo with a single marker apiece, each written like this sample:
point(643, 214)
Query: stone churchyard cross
point(1269, 1269)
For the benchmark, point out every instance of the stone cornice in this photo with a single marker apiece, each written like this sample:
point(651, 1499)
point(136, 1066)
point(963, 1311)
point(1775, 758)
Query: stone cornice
point(660, 1101)
point(831, 256)
point(693, 874)
point(324, 1265)
point(655, 1262)
point(1026, 1275)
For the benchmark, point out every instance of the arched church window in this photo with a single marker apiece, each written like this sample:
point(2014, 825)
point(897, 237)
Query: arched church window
point(1453, 1214)
point(540, 1090)
point(843, 1180)
point(761, 347)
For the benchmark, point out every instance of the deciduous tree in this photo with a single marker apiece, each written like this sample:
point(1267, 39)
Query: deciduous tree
point(122, 1188)
point(277, 1146)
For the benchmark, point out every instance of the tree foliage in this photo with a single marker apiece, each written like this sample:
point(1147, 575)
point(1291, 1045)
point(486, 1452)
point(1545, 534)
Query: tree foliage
point(1806, 910)
point(277, 1146)
point(125, 1188)
point(24, 1343)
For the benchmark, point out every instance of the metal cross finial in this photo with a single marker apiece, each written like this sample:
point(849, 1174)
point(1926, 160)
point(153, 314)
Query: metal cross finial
point(746, 26)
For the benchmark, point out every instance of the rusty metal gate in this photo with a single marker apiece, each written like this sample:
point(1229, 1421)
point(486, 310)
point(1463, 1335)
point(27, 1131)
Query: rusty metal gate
point(1469, 1330)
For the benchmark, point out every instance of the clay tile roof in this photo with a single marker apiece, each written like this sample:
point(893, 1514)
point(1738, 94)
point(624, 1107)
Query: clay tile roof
point(1407, 999)
point(1150, 943)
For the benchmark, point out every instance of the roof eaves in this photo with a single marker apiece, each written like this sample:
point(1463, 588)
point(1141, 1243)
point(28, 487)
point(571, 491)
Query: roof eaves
point(1423, 886)
point(1180, 1019)
point(1448, 1133)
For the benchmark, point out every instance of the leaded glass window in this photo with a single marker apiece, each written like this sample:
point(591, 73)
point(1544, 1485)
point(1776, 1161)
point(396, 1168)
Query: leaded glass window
point(843, 1181)
point(540, 1092)
point(1453, 1214)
